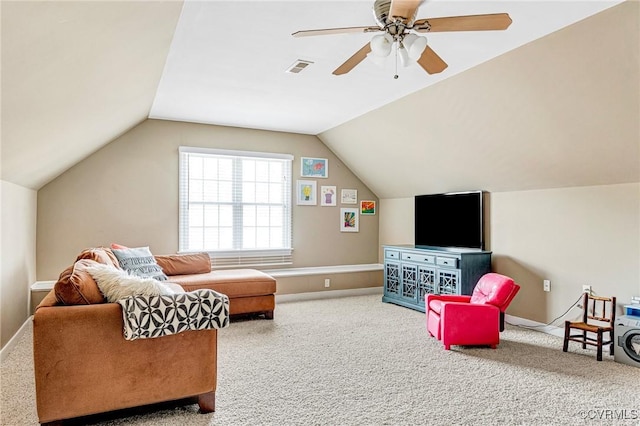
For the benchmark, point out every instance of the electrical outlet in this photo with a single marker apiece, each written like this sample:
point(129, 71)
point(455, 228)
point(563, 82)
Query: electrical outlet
point(327, 283)
point(546, 285)
point(586, 289)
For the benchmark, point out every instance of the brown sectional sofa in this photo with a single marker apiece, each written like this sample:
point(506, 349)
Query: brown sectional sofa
point(83, 364)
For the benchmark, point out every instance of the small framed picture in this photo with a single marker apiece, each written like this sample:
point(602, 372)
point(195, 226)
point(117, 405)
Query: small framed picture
point(349, 196)
point(314, 167)
point(306, 193)
point(328, 195)
point(367, 207)
point(349, 220)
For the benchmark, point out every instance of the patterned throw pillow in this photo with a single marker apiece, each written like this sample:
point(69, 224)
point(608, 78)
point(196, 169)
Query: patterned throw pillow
point(139, 261)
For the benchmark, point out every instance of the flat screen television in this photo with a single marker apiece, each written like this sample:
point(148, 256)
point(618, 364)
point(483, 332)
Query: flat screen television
point(449, 220)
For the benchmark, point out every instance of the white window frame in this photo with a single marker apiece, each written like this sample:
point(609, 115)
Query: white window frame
point(238, 255)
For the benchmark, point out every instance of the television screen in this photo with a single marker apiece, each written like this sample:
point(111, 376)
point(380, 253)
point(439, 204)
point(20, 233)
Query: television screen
point(449, 220)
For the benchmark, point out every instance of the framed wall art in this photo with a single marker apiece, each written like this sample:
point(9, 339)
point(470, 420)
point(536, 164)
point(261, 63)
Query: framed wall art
point(306, 194)
point(349, 196)
point(349, 220)
point(367, 207)
point(314, 167)
point(328, 195)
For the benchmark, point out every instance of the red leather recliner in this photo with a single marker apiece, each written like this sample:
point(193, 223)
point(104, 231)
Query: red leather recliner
point(471, 320)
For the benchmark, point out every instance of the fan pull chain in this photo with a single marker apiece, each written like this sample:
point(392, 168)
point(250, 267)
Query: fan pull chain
point(397, 47)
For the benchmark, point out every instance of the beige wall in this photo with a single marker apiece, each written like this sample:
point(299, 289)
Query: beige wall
point(571, 236)
point(18, 211)
point(396, 222)
point(127, 192)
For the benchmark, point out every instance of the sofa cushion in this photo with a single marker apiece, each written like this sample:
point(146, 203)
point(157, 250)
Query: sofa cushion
point(76, 286)
point(101, 255)
point(232, 282)
point(117, 284)
point(184, 264)
point(139, 261)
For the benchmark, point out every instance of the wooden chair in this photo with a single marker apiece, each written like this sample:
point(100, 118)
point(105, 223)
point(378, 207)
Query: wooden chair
point(596, 312)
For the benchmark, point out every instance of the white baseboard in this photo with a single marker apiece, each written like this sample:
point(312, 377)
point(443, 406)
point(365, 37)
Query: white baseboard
point(328, 294)
point(534, 325)
point(4, 352)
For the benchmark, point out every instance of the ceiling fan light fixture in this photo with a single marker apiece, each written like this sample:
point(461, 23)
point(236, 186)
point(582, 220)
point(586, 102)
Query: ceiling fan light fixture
point(408, 40)
point(417, 47)
point(381, 45)
point(403, 55)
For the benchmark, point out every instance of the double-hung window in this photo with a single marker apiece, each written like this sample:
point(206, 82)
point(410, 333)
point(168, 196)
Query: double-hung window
point(236, 205)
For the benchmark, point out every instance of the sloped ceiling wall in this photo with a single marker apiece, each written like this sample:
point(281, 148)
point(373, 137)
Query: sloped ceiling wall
point(75, 75)
point(560, 112)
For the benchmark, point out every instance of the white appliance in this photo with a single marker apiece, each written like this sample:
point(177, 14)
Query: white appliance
point(626, 348)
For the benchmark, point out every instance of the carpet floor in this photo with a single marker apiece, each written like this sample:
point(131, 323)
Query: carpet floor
point(358, 361)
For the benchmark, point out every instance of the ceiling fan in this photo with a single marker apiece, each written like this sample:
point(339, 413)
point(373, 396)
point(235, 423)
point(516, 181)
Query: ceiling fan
point(397, 21)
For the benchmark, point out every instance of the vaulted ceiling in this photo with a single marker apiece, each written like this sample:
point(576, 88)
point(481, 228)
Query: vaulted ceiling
point(553, 106)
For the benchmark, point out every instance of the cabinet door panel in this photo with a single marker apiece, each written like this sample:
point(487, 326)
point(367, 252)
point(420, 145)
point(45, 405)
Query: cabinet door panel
point(448, 281)
point(409, 281)
point(392, 279)
point(426, 283)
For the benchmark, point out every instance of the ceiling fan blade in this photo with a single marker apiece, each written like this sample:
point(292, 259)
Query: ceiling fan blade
point(350, 63)
point(404, 9)
point(431, 62)
point(328, 31)
point(495, 21)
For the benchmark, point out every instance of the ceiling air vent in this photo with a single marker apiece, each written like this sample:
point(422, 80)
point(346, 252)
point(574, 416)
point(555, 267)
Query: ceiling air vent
point(298, 66)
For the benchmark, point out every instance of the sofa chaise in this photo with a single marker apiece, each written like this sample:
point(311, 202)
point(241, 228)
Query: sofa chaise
point(250, 291)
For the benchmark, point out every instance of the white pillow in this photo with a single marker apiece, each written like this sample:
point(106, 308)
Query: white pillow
point(117, 284)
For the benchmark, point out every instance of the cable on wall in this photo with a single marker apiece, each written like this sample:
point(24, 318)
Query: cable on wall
point(553, 320)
